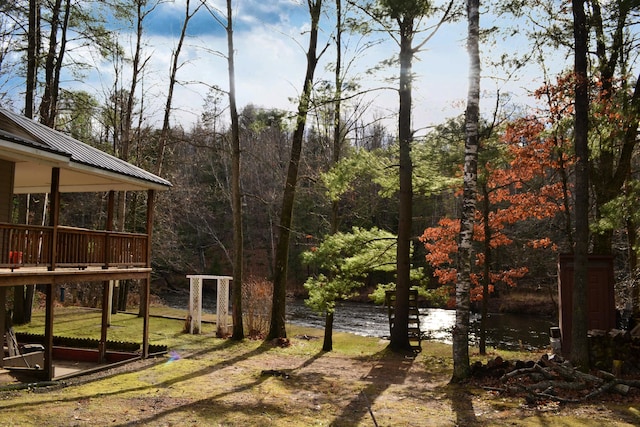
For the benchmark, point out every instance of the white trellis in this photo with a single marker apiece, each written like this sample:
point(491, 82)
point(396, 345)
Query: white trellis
point(196, 282)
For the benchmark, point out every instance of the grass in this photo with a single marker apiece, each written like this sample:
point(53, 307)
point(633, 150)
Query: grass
point(210, 381)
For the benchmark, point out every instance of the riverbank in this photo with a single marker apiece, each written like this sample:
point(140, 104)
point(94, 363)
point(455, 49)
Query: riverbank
point(208, 381)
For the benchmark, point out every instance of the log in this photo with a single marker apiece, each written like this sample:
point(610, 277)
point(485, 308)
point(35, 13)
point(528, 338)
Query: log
point(536, 369)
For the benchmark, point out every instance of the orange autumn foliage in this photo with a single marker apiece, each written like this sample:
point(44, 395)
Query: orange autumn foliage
point(519, 189)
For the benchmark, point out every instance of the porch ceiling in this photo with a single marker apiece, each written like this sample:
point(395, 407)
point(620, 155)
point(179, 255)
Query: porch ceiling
point(32, 177)
point(36, 149)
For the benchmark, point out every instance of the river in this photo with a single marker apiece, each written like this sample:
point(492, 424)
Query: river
point(505, 331)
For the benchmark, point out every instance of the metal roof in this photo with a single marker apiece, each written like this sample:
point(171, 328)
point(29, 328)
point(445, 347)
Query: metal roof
point(82, 159)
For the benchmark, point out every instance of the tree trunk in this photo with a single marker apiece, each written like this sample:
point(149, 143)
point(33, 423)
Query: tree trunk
point(53, 63)
point(337, 149)
point(175, 65)
point(236, 192)
point(18, 314)
point(32, 57)
point(461, 367)
point(400, 329)
point(610, 168)
point(579, 345)
point(632, 236)
point(127, 120)
point(327, 344)
point(486, 280)
point(277, 327)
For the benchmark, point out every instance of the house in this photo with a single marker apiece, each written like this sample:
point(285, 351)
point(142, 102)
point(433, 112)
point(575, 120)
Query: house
point(37, 159)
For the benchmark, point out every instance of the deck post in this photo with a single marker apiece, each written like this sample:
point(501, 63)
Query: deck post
point(54, 215)
point(3, 316)
point(102, 346)
point(48, 334)
point(54, 220)
point(7, 172)
point(146, 287)
point(108, 227)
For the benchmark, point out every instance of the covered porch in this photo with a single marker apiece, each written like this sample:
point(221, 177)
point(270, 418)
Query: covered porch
point(37, 159)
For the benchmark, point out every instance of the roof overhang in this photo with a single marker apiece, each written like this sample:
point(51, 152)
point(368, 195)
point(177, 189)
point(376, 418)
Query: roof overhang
point(33, 173)
point(34, 161)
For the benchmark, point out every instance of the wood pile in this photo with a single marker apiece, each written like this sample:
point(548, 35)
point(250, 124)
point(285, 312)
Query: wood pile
point(616, 351)
point(550, 378)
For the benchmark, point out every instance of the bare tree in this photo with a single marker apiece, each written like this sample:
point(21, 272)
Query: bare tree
point(236, 191)
point(277, 328)
point(33, 47)
point(175, 66)
point(53, 61)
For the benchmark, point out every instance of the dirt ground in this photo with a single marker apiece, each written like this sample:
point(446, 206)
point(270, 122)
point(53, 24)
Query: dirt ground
point(261, 384)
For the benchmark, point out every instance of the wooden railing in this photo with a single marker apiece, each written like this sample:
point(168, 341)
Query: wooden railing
point(28, 246)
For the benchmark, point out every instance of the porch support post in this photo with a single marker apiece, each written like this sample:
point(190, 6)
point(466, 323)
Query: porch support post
point(147, 281)
point(110, 209)
point(109, 226)
point(106, 285)
point(3, 316)
point(54, 215)
point(102, 346)
point(48, 333)
point(54, 219)
point(7, 173)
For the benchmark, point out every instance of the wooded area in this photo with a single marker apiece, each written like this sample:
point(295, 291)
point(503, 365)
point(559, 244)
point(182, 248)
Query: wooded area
point(256, 187)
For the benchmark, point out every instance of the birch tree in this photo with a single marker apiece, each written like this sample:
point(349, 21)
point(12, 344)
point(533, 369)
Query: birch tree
point(461, 367)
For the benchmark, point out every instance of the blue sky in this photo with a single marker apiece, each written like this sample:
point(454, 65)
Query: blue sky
point(168, 17)
point(270, 40)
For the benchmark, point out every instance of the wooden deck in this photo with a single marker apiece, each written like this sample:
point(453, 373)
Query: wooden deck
point(43, 276)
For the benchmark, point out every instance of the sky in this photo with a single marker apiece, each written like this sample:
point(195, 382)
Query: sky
point(270, 42)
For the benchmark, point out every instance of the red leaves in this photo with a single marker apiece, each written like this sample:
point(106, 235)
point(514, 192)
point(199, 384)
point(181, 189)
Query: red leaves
point(519, 187)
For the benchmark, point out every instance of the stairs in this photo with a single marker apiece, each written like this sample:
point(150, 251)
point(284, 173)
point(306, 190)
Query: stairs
point(415, 336)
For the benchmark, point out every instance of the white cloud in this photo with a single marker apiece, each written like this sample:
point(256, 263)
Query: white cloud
point(270, 66)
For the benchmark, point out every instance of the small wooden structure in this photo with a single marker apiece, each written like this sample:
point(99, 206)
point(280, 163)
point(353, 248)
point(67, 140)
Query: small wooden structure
point(37, 159)
point(601, 309)
point(415, 335)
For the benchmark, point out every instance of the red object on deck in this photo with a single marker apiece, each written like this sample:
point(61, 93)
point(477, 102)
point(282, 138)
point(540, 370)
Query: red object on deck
point(15, 257)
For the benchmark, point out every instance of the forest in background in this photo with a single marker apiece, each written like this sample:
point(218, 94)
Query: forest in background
point(525, 166)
